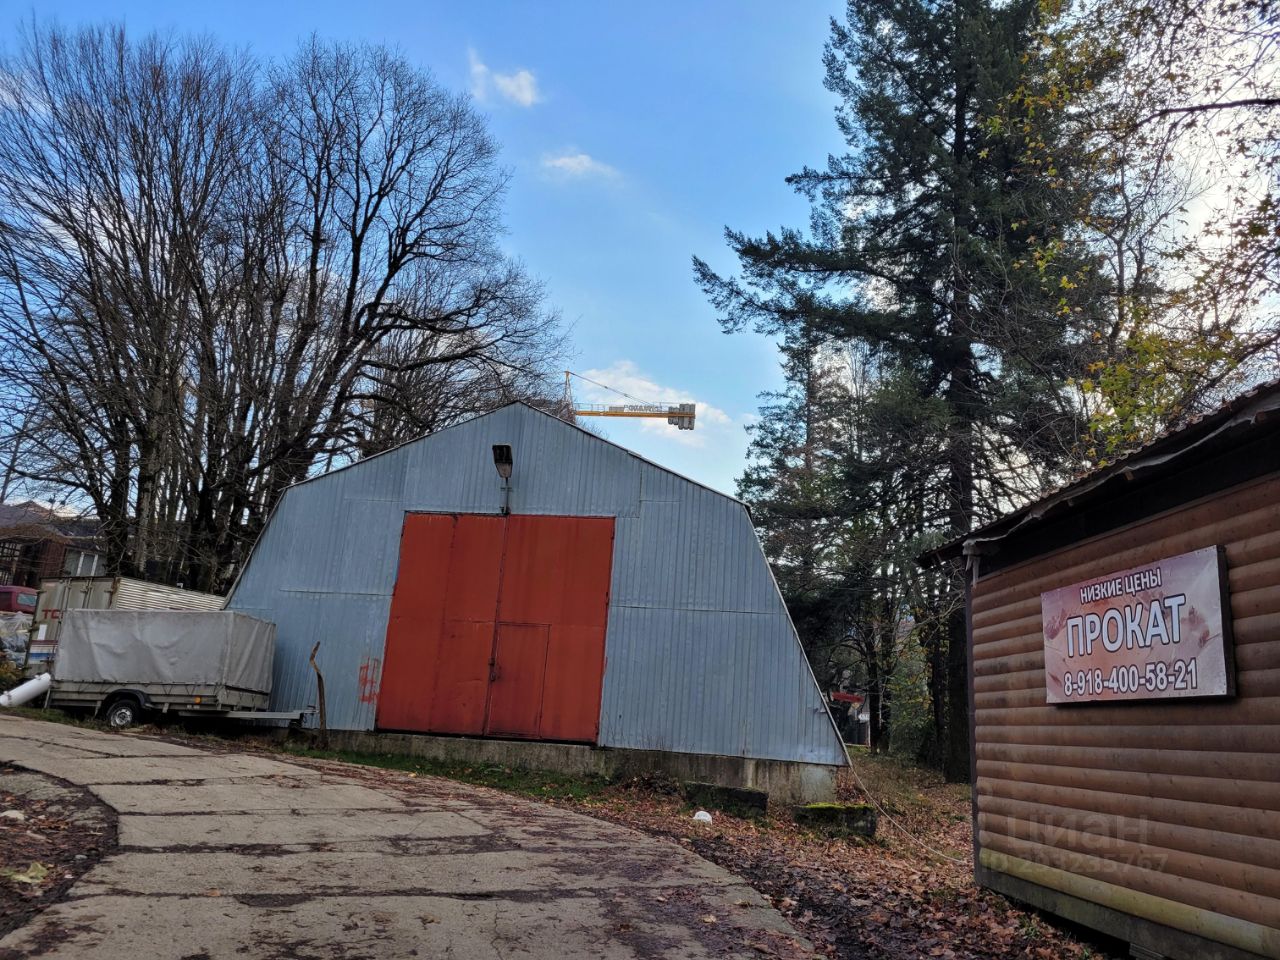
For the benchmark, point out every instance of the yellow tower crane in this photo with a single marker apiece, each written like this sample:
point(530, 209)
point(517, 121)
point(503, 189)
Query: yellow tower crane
point(680, 415)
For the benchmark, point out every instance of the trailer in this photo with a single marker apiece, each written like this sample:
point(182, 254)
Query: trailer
point(123, 664)
point(60, 595)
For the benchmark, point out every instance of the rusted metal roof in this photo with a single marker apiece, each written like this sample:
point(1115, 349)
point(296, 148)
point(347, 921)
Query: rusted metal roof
point(1222, 424)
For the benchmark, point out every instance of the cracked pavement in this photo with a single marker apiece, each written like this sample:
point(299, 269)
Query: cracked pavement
point(225, 854)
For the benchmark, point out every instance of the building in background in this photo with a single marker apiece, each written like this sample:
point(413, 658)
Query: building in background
point(38, 541)
point(594, 600)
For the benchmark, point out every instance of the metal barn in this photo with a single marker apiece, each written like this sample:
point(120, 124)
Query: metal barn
point(594, 598)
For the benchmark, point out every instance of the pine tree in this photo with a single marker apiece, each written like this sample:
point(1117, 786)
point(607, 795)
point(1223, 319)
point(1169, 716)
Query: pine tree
point(939, 243)
point(794, 488)
point(836, 517)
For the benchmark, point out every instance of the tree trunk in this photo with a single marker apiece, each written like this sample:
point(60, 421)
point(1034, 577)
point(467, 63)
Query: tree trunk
point(875, 729)
point(956, 762)
point(960, 476)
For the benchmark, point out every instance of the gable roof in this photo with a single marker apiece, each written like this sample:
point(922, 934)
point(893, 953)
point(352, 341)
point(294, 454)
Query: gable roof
point(535, 409)
point(31, 520)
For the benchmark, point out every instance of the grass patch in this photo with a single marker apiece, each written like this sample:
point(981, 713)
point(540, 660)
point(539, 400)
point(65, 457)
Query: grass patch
point(538, 784)
point(53, 716)
point(909, 789)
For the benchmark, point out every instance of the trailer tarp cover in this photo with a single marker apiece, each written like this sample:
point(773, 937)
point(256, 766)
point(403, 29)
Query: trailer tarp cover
point(166, 646)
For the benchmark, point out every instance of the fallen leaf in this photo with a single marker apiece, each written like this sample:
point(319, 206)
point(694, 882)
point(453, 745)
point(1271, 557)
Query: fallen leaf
point(34, 874)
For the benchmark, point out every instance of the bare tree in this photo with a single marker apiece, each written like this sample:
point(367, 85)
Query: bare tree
point(112, 160)
point(217, 276)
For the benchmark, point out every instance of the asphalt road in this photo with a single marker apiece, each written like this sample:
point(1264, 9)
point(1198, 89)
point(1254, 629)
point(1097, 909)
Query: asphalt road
point(240, 856)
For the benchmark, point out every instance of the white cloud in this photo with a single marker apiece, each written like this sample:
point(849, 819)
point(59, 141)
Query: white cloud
point(479, 76)
point(577, 165)
point(712, 423)
point(520, 88)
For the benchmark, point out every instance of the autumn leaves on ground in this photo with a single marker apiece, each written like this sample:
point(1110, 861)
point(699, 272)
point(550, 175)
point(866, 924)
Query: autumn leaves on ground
point(908, 894)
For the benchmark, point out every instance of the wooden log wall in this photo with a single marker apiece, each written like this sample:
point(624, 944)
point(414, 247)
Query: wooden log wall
point(1178, 801)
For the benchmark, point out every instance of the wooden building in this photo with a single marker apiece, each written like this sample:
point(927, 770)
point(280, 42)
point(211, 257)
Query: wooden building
point(1125, 692)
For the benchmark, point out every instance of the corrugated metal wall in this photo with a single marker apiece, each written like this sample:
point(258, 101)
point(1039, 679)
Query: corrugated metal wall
point(1169, 810)
point(701, 655)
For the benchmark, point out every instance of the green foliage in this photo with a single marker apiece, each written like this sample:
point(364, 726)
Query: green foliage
point(1149, 385)
point(10, 674)
point(540, 784)
point(35, 874)
point(1185, 256)
point(913, 716)
point(940, 254)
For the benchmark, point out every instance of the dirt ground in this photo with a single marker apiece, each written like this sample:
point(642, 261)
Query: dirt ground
point(50, 834)
point(908, 894)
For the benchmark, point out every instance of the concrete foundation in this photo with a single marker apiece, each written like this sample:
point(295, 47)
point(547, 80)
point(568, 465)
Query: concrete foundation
point(786, 781)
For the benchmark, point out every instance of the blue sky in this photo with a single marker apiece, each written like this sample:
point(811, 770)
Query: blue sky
point(634, 133)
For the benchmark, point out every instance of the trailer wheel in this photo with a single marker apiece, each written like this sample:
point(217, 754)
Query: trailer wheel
point(123, 712)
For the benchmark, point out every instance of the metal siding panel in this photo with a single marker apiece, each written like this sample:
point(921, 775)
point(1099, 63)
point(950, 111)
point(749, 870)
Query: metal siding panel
point(350, 628)
point(382, 477)
point(659, 484)
point(452, 471)
point(129, 594)
point(706, 676)
point(316, 561)
point(367, 560)
point(701, 656)
point(573, 473)
point(693, 554)
point(556, 571)
point(456, 682)
point(271, 557)
point(697, 563)
point(474, 567)
point(470, 570)
point(515, 688)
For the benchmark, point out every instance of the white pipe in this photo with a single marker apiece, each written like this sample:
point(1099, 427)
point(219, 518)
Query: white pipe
point(26, 691)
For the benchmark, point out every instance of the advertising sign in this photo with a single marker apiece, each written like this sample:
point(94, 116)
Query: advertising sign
point(1156, 631)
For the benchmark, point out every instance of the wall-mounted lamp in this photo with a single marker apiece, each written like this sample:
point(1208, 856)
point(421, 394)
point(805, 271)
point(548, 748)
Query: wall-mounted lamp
point(502, 459)
point(503, 462)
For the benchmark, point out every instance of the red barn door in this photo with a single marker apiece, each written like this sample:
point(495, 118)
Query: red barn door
point(497, 626)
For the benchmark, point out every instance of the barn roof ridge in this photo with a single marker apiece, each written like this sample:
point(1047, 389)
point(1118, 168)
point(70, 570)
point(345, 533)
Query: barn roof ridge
point(536, 409)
